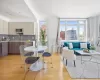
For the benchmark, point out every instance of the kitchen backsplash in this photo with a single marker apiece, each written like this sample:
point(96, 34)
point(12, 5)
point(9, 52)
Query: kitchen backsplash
point(17, 37)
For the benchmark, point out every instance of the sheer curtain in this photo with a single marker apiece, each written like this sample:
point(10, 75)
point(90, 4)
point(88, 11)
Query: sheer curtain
point(52, 27)
point(57, 38)
point(93, 29)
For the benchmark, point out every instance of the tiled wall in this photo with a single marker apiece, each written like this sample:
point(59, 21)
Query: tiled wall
point(18, 37)
point(3, 35)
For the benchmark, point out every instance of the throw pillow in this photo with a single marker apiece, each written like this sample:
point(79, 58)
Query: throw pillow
point(65, 48)
point(83, 45)
point(70, 45)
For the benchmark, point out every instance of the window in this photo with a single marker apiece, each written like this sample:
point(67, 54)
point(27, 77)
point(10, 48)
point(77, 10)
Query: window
point(71, 33)
point(62, 30)
point(73, 29)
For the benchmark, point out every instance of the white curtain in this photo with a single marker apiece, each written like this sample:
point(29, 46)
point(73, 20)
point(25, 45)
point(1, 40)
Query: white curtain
point(57, 37)
point(52, 26)
point(93, 29)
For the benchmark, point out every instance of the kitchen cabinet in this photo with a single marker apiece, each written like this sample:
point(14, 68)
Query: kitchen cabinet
point(13, 47)
point(27, 28)
point(0, 49)
point(3, 27)
point(3, 48)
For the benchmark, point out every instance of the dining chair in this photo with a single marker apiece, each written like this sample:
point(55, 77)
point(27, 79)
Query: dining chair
point(69, 55)
point(26, 57)
point(24, 53)
point(47, 54)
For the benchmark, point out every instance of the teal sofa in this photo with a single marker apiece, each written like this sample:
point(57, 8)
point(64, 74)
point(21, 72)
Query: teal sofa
point(76, 46)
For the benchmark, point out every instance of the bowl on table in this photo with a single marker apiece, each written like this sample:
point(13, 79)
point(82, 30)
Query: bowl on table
point(86, 50)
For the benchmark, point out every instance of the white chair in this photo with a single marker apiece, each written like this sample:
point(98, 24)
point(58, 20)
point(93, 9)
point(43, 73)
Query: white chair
point(48, 54)
point(59, 46)
point(68, 55)
point(26, 57)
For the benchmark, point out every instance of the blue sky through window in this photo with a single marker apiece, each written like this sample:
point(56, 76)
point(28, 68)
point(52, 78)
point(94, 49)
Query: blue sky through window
point(42, 23)
point(68, 22)
point(71, 22)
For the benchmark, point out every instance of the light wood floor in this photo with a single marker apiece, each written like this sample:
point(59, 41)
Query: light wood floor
point(10, 69)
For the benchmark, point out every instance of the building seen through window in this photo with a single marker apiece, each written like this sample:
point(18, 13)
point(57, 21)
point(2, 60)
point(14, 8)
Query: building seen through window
point(72, 29)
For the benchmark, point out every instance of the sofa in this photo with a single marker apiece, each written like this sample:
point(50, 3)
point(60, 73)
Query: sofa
point(76, 46)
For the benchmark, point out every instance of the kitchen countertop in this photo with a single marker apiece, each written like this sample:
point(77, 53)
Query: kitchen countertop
point(15, 41)
point(3, 41)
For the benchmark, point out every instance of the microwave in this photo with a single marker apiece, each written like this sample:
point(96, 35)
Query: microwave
point(19, 31)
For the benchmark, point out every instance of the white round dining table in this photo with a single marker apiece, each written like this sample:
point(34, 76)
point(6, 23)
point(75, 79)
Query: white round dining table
point(39, 64)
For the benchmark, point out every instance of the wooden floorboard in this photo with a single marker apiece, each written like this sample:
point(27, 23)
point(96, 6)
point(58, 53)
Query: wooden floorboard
point(10, 69)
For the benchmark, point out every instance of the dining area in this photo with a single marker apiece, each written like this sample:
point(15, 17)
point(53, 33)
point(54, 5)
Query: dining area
point(33, 57)
point(33, 61)
point(12, 68)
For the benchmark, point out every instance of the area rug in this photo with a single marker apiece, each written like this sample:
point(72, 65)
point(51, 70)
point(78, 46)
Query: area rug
point(88, 69)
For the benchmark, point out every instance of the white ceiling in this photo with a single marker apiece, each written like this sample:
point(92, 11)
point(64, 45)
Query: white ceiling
point(18, 10)
point(15, 10)
point(66, 8)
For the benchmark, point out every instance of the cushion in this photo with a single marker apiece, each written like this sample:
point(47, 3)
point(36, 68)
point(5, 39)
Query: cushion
point(31, 60)
point(41, 51)
point(88, 45)
point(70, 45)
point(66, 44)
point(46, 54)
point(29, 54)
point(65, 48)
point(83, 45)
point(76, 44)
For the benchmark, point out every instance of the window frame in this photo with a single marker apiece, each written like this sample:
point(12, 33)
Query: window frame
point(85, 27)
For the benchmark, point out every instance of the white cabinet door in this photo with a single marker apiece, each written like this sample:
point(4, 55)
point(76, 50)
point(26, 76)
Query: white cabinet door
point(5, 27)
point(28, 27)
point(1, 26)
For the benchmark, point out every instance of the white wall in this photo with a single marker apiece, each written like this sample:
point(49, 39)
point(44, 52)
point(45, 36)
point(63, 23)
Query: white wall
point(3, 27)
point(52, 25)
point(93, 30)
point(28, 27)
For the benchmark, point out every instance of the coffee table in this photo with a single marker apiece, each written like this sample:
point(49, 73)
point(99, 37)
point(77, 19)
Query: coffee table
point(91, 54)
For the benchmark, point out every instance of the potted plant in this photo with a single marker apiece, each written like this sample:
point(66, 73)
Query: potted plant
point(43, 36)
point(92, 48)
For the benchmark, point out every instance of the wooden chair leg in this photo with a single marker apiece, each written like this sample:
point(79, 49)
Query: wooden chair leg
point(66, 62)
point(74, 64)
